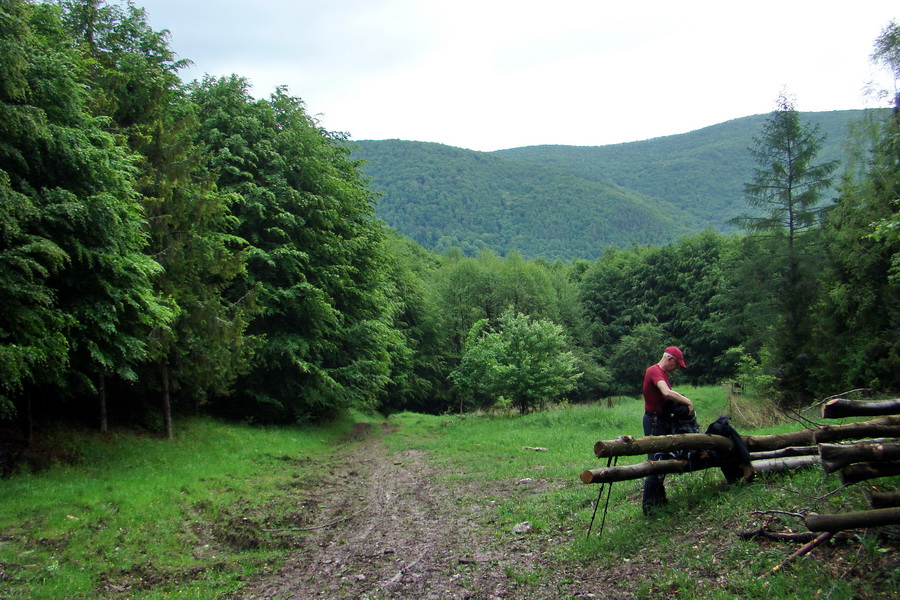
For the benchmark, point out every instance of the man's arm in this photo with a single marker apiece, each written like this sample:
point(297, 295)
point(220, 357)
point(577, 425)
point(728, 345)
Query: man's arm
point(670, 394)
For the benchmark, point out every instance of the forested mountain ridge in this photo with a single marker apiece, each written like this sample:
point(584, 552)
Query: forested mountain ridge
point(572, 201)
point(441, 196)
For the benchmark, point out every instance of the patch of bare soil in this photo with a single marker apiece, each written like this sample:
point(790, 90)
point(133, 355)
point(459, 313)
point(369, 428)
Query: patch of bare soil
point(380, 526)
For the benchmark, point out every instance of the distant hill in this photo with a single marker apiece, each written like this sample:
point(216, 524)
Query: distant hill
point(565, 202)
point(442, 196)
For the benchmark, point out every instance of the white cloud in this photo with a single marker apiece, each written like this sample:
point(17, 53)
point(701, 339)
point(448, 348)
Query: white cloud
point(489, 74)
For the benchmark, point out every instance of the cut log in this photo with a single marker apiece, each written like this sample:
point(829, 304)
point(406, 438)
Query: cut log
point(778, 465)
point(884, 427)
point(697, 463)
point(889, 427)
point(884, 499)
point(647, 467)
point(785, 452)
point(632, 446)
point(842, 407)
point(855, 520)
point(871, 470)
point(835, 456)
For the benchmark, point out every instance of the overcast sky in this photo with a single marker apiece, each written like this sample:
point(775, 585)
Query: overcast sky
point(492, 74)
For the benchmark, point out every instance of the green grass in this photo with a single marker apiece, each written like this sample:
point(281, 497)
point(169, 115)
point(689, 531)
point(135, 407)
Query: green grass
point(140, 507)
point(690, 548)
point(141, 517)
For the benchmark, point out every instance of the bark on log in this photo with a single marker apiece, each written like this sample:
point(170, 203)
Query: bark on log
point(631, 446)
point(778, 465)
point(698, 463)
point(785, 452)
point(872, 470)
point(854, 520)
point(834, 456)
point(884, 427)
point(884, 499)
point(647, 467)
point(888, 427)
point(842, 407)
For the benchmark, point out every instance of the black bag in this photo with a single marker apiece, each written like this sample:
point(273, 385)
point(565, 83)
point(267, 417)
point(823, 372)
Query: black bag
point(733, 472)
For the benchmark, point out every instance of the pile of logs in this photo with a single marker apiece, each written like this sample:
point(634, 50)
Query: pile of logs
point(858, 451)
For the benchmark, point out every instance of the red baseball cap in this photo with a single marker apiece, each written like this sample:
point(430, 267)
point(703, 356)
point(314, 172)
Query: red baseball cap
point(679, 357)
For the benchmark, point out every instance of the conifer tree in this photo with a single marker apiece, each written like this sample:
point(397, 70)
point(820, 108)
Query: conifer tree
point(787, 192)
point(315, 258)
point(75, 239)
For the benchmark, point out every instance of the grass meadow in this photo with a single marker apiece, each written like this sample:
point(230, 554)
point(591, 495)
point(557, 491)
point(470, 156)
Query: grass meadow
point(134, 515)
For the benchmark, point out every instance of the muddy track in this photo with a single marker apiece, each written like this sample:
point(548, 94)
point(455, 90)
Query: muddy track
point(381, 526)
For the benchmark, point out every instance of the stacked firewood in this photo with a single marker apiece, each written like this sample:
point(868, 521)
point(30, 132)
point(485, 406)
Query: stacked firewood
point(858, 451)
point(863, 461)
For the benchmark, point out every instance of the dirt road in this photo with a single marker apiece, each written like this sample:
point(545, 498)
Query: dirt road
point(381, 527)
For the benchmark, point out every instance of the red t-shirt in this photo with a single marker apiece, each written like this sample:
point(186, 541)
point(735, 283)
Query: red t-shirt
point(653, 398)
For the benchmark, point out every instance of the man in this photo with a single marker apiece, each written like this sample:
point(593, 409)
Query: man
point(659, 401)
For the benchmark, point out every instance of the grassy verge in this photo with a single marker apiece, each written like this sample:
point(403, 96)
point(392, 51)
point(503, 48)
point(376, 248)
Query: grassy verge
point(142, 517)
point(690, 549)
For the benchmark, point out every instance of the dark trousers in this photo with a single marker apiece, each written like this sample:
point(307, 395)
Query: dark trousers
point(654, 485)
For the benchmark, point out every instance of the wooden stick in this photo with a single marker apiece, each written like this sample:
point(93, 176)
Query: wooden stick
point(806, 549)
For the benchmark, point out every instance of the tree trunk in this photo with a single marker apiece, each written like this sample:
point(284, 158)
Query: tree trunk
point(834, 456)
point(785, 452)
point(101, 393)
point(631, 446)
point(28, 422)
point(697, 463)
point(854, 520)
point(884, 427)
point(842, 407)
point(778, 465)
point(166, 400)
point(884, 499)
point(645, 468)
point(871, 470)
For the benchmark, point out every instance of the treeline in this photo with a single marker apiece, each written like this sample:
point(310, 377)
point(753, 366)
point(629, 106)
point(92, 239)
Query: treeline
point(168, 247)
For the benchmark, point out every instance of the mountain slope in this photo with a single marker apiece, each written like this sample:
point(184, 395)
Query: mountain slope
point(566, 202)
point(442, 196)
point(703, 171)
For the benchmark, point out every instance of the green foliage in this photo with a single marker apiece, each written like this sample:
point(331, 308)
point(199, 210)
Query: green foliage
point(640, 300)
point(73, 246)
point(701, 173)
point(749, 374)
point(315, 256)
point(445, 197)
point(524, 360)
point(786, 189)
point(787, 185)
point(860, 299)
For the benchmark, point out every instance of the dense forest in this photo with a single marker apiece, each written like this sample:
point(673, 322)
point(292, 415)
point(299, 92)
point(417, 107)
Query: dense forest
point(169, 247)
point(444, 197)
point(569, 202)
